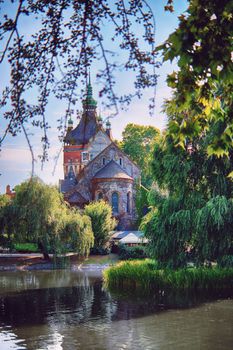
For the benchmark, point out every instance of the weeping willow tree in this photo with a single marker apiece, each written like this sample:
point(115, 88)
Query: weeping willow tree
point(196, 212)
point(78, 233)
point(40, 215)
point(102, 222)
point(195, 162)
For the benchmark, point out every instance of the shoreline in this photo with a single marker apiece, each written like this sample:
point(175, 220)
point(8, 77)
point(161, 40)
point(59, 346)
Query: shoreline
point(35, 262)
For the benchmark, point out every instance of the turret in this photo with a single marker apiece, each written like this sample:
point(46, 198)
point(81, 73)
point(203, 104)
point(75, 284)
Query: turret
point(70, 124)
point(100, 120)
point(108, 129)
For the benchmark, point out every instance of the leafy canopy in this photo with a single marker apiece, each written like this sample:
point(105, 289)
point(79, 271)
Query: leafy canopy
point(66, 39)
point(194, 211)
point(202, 101)
point(102, 221)
point(138, 142)
point(39, 214)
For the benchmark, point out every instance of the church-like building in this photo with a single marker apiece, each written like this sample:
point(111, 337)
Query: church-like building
point(95, 168)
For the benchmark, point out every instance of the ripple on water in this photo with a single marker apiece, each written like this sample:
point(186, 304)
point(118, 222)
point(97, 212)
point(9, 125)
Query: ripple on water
point(70, 312)
point(9, 340)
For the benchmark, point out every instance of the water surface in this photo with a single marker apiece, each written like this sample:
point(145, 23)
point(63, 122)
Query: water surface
point(63, 309)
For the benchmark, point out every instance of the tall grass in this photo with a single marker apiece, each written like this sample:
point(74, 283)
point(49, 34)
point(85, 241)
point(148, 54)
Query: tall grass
point(145, 275)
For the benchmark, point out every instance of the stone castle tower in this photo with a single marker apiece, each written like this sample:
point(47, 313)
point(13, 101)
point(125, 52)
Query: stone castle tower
point(95, 168)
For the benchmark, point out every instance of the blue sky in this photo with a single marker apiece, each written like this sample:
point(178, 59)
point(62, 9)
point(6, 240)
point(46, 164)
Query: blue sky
point(15, 161)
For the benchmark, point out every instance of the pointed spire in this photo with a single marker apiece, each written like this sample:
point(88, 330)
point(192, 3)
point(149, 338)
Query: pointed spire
point(89, 100)
point(89, 87)
point(89, 81)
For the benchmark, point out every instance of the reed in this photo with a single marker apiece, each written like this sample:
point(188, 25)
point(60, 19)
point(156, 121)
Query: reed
point(145, 275)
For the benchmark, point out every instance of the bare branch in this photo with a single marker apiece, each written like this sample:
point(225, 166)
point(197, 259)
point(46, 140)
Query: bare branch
point(14, 26)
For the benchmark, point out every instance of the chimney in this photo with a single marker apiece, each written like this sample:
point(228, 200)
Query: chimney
point(8, 189)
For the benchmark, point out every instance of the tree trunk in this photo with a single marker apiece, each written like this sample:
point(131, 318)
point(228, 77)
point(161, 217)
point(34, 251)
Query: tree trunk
point(43, 250)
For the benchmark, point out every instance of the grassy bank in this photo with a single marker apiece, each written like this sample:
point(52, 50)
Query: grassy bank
point(101, 259)
point(145, 275)
point(26, 247)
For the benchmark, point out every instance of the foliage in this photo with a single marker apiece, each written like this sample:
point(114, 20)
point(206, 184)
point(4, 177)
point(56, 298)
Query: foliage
point(39, 214)
point(26, 247)
point(7, 227)
point(66, 38)
point(102, 222)
point(194, 163)
point(168, 228)
point(142, 204)
point(145, 275)
point(129, 273)
point(4, 200)
point(138, 142)
point(100, 251)
point(226, 261)
point(77, 233)
point(202, 102)
point(214, 228)
point(125, 252)
point(194, 211)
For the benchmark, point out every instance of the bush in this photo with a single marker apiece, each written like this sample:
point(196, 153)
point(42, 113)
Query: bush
point(102, 222)
point(226, 261)
point(77, 234)
point(137, 252)
point(100, 251)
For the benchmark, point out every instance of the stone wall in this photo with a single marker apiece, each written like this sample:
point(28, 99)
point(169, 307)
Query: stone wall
point(98, 144)
point(122, 187)
point(89, 187)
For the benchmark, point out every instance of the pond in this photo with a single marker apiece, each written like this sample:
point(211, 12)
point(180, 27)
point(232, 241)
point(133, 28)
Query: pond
point(70, 310)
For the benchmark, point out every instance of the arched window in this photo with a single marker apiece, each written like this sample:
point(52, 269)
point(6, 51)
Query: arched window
point(103, 160)
point(100, 196)
point(128, 202)
point(115, 202)
point(120, 161)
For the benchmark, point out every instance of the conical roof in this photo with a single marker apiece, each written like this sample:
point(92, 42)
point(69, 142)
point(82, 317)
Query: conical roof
point(89, 100)
point(86, 129)
point(88, 126)
point(112, 170)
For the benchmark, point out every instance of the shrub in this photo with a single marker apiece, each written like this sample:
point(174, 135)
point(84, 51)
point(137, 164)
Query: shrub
point(102, 222)
point(137, 252)
point(100, 251)
point(77, 234)
point(226, 261)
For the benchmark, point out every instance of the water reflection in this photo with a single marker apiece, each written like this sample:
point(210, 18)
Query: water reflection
point(71, 310)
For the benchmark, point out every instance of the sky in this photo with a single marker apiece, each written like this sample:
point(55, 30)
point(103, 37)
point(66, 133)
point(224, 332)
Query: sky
point(15, 159)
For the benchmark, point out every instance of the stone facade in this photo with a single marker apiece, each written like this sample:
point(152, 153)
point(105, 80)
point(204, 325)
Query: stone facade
point(98, 169)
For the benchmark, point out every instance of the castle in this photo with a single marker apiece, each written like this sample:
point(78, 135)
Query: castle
point(95, 167)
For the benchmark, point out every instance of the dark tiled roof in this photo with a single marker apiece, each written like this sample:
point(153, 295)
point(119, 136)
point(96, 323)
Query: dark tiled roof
point(86, 129)
point(76, 197)
point(112, 170)
point(67, 185)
